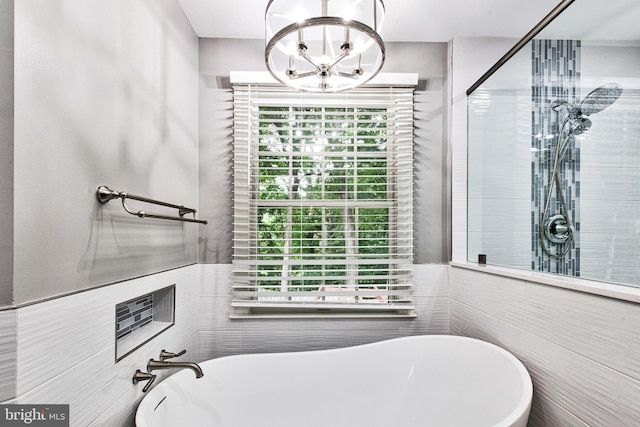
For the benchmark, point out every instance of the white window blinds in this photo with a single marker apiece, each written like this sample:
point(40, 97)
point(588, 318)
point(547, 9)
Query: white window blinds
point(323, 216)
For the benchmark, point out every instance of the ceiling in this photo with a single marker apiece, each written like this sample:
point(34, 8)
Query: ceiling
point(406, 20)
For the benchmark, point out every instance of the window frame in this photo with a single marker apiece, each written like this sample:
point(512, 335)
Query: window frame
point(396, 299)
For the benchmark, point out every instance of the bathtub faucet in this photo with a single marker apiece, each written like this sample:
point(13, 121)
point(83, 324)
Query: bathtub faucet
point(164, 364)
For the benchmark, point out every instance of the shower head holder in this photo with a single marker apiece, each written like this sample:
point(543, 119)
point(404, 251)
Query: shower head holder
point(573, 111)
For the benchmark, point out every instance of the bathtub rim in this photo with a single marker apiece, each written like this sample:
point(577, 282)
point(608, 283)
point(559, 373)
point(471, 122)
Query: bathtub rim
point(522, 408)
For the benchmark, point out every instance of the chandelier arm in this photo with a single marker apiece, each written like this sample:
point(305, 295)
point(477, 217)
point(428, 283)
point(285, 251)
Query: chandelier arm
point(309, 60)
point(339, 58)
point(303, 75)
point(348, 75)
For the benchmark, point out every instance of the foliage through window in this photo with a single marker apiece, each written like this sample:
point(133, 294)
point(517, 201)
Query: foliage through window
point(323, 210)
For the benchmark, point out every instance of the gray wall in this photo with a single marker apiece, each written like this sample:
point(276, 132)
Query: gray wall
point(220, 56)
point(220, 336)
point(92, 93)
point(105, 93)
point(6, 153)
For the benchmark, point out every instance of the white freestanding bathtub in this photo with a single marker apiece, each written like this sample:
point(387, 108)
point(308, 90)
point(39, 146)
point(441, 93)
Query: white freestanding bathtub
point(430, 380)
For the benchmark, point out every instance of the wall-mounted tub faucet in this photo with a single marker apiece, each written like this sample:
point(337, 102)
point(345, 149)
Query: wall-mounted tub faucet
point(163, 364)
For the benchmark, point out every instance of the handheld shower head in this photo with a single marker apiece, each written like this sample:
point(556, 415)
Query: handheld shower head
point(557, 229)
point(595, 101)
point(600, 98)
point(579, 125)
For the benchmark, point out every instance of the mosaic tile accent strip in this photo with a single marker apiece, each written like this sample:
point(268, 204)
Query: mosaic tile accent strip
point(132, 315)
point(555, 71)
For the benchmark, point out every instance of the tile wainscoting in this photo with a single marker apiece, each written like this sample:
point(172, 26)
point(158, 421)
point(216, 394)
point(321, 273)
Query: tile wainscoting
point(220, 336)
point(66, 345)
point(582, 350)
point(66, 348)
point(7, 355)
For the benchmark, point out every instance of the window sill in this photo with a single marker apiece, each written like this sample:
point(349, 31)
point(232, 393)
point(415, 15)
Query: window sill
point(324, 316)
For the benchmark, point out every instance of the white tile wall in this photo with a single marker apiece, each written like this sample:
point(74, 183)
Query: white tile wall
point(67, 354)
point(499, 168)
point(7, 354)
point(471, 59)
point(545, 412)
point(494, 313)
point(581, 350)
point(609, 159)
point(220, 336)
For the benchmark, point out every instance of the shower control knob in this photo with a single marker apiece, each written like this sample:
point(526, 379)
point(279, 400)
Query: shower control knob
point(557, 229)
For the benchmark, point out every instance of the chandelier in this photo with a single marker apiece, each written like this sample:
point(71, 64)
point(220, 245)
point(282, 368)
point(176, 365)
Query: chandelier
point(324, 45)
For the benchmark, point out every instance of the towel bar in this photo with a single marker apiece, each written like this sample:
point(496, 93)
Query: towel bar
point(104, 194)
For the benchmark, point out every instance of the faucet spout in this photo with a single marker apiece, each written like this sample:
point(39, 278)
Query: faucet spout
point(163, 364)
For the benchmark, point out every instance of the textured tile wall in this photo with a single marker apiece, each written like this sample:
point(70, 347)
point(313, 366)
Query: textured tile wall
point(220, 336)
point(7, 354)
point(609, 161)
point(471, 58)
point(66, 348)
point(499, 169)
point(582, 350)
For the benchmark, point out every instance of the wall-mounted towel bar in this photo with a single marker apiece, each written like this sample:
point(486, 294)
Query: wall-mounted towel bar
point(105, 194)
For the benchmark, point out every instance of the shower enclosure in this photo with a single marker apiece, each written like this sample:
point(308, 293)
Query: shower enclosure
point(554, 148)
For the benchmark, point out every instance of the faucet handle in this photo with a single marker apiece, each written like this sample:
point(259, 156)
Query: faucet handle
point(144, 376)
point(164, 355)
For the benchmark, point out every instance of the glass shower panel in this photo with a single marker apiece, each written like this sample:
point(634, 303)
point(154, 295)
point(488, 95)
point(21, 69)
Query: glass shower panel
point(610, 168)
point(554, 149)
point(499, 159)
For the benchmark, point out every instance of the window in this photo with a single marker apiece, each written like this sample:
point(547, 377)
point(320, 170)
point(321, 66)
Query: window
point(323, 217)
